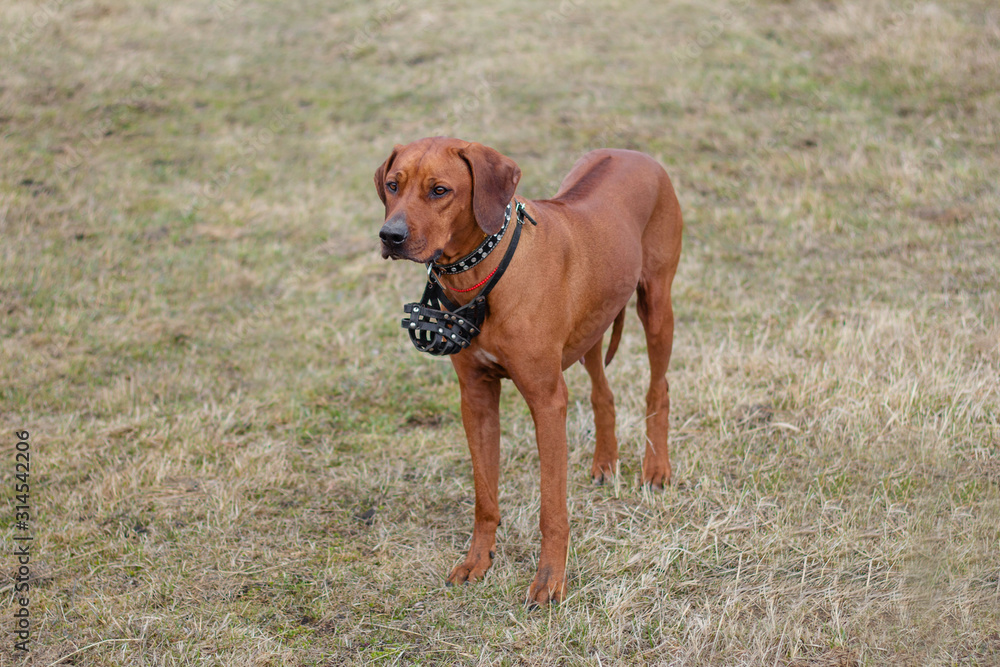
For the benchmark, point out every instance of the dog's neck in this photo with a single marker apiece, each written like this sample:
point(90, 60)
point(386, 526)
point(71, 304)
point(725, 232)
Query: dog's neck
point(463, 283)
point(474, 245)
point(464, 287)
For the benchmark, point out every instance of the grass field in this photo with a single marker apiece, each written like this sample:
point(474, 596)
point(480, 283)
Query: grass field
point(239, 459)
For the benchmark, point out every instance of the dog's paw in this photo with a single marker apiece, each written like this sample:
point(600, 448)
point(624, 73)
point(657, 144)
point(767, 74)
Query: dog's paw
point(472, 569)
point(655, 474)
point(603, 472)
point(658, 481)
point(547, 587)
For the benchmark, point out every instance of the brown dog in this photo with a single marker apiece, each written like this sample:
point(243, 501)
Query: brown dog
point(613, 229)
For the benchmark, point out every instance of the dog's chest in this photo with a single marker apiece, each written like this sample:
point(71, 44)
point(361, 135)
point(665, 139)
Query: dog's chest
point(488, 361)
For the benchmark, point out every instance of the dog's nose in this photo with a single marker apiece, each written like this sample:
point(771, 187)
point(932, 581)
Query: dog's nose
point(394, 232)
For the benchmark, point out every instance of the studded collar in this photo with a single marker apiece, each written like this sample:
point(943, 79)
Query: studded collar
point(479, 254)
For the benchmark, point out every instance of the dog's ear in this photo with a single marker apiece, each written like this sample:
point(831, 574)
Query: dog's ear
point(380, 172)
point(494, 179)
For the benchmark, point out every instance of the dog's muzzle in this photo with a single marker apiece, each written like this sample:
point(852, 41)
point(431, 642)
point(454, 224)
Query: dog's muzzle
point(440, 332)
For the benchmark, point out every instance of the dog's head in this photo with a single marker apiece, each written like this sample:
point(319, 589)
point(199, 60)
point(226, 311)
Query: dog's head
point(440, 196)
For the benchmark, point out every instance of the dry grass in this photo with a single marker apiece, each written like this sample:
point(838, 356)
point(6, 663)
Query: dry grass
point(239, 459)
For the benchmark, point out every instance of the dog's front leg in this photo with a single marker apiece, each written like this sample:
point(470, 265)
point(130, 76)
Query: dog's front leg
point(544, 389)
point(481, 418)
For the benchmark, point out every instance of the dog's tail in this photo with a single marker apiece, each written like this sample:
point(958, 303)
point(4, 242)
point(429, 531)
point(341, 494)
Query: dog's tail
point(616, 336)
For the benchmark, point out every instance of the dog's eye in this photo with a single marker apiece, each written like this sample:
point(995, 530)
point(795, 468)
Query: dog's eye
point(391, 186)
point(439, 190)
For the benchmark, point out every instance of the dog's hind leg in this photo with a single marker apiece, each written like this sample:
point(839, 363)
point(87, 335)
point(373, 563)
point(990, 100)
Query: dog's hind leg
point(661, 245)
point(603, 402)
point(657, 317)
